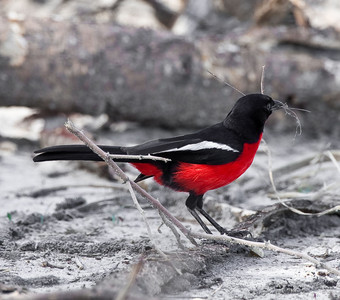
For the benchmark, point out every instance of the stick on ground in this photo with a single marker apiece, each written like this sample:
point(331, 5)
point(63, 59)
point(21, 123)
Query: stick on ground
point(106, 157)
point(190, 235)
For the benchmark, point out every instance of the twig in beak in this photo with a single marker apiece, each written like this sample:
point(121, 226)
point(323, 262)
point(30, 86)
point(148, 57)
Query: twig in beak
point(290, 112)
point(262, 79)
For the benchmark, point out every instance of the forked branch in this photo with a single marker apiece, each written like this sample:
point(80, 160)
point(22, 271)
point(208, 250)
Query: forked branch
point(106, 157)
point(190, 235)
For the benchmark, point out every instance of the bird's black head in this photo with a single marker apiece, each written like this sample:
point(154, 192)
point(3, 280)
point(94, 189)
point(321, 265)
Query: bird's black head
point(250, 113)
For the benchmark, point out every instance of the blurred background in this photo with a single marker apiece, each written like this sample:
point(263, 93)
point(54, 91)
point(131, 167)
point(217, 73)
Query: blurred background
point(147, 62)
point(128, 71)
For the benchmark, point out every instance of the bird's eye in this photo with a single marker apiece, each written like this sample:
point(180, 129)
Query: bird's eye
point(269, 107)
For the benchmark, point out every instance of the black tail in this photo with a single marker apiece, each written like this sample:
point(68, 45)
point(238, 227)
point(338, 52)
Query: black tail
point(73, 152)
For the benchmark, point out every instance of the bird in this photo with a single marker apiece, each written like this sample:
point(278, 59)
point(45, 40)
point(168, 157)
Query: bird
point(195, 163)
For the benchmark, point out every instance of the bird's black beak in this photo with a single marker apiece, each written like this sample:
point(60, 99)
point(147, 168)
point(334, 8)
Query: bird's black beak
point(277, 105)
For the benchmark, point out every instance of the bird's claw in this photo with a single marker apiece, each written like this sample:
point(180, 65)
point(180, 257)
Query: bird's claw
point(237, 233)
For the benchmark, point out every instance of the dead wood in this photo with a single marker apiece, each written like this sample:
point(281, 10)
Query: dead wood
point(131, 73)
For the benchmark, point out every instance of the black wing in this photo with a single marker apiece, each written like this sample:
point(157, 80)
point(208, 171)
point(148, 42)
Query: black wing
point(214, 145)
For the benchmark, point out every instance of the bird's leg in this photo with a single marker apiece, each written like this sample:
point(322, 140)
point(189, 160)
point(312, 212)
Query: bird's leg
point(191, 204)
point(195, 202)
point(199, 220)
point(220, 229)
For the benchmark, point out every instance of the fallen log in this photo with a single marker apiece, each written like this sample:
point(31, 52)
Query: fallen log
point(158, 78)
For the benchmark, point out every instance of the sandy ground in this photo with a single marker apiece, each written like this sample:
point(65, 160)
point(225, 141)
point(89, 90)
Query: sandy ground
point(64, 228)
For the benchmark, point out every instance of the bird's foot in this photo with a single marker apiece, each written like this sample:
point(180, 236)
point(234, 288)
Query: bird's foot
point(237, 233)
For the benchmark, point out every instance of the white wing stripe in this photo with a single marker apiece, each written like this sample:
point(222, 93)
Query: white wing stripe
point(202, 146)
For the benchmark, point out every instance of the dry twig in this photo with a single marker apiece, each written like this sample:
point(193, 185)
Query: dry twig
point(262, 80)
point(141, 211)
point(173, 229)
point(304, 162)
point(78, 262)
point(139, 157)
point(265, 245)
point(106, 157)
point(190, 235)
point(226, 83)
point(296, 195)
